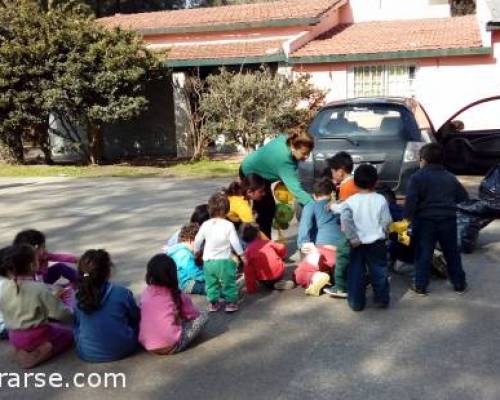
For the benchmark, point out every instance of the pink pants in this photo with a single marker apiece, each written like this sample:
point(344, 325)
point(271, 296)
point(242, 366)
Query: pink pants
point(60, 336)
point(305, 270)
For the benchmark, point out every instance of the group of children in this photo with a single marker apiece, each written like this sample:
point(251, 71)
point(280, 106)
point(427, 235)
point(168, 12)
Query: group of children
point(342, 238)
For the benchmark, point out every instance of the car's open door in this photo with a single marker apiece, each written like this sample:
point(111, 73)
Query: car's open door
point(471, 137)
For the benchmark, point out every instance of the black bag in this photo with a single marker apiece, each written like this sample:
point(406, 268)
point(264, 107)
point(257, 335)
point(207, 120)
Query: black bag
point(489, 189)
point(472, 216)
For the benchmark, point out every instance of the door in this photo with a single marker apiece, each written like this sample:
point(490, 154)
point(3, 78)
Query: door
point(471, 137)
point(374, 133)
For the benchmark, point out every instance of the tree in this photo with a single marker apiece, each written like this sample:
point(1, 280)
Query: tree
point(248, 107)
point(60, 62)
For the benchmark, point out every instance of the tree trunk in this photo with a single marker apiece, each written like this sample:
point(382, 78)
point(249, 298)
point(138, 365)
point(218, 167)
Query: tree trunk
point(11, 149)
point(42, 138)
point(96, 143)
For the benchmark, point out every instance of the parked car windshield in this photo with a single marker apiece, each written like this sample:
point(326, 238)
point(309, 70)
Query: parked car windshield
point(371, 120)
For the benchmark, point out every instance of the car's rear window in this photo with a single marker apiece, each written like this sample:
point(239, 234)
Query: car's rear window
point(372, 120)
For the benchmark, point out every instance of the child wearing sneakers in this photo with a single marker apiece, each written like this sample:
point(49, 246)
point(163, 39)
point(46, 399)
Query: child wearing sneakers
point(340, 168)
point(220, 237)
point(263, 261)
point(191, 277)
point(366, 218)
point(319, 234)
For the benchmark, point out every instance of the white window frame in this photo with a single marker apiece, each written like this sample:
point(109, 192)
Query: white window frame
point(385, 84)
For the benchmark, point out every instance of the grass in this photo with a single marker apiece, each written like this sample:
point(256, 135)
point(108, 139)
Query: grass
point(198, 169)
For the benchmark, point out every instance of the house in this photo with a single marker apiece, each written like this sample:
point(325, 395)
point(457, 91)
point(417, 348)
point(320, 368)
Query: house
point(350, 48)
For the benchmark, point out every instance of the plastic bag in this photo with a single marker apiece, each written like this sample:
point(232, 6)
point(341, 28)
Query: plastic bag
point(472, 216)
point(489, 189)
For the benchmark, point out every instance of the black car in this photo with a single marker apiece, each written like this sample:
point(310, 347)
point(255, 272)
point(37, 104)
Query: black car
point(389, 133)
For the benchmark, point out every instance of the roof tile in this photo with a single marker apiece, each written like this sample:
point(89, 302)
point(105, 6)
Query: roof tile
point(245, 13)
point(394, 36)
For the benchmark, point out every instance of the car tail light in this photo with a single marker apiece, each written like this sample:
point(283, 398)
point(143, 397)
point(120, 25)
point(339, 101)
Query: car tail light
point(412, 152)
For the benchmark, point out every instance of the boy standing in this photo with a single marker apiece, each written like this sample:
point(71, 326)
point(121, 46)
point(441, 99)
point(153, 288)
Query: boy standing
point(366, 218)
point(340, 168)
point(220, 237)
point(191, 277)
point(318, 225)
point(431, 200)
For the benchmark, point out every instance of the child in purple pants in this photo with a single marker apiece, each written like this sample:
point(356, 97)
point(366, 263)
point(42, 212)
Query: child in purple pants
point(48, 274)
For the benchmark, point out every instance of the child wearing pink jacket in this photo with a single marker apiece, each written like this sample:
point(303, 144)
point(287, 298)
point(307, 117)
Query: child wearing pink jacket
point(169, 320)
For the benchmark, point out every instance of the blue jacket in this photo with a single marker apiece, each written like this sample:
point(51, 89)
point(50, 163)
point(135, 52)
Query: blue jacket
point(187, 270)
point(110, 333)
point(318, 225)
point(433, 192)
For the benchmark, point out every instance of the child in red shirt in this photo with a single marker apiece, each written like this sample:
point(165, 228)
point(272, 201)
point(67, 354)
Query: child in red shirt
point(263, 261)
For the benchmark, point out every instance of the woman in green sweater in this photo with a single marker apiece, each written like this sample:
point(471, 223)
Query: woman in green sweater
point(278, 160)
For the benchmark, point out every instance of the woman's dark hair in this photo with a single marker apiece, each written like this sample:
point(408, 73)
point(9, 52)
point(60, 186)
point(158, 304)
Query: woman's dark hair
point(250, 232)
point(218, 205)
point(162, 271)
point(366, 177)
point(251, 183)
point(30, 236)
point(341, 160)
point(94, 269)
point(18, 261)
point(300, 138)
point(188, 232)
point(432, 153)
point(323, 187)
point(200, 214)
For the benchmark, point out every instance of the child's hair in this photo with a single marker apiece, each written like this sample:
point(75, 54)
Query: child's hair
point(300, 138)
point(250, 232)
point(188, 232)
point(18, 261)
point(30, 236)
point(200, 214)
point(366, 177)
point(4, 268)
point(251, 183)
point(218, 205)
point(162, 271)
point(94, 269)
point(323, 187)
point(341, 160)
point(432, 153)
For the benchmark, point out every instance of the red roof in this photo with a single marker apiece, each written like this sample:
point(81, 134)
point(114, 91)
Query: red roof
point(246, 13)
point(395, 36)
point(226, 50)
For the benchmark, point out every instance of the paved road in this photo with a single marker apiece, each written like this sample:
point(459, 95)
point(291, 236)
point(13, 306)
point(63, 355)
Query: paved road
point(280, 345)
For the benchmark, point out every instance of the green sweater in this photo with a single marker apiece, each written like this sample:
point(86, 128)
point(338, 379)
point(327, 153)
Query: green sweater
point(33, 306)
point(275, 162)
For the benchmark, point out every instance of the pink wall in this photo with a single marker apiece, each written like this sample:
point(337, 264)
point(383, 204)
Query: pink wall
point(442, 85)
point(237, 35)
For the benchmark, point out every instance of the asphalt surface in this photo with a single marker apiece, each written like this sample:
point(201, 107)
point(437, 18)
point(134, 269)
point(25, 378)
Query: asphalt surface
point(279, 345)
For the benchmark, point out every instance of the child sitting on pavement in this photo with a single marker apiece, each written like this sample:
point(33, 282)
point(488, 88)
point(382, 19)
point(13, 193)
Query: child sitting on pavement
point(319, 234)
point(191, 277)
point(199, 215)
point(48, 273)
point(366, 218)
point(263, 261)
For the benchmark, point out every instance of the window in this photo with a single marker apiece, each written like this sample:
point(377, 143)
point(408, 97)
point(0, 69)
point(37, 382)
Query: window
point(361, 121)
point(382, 80)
